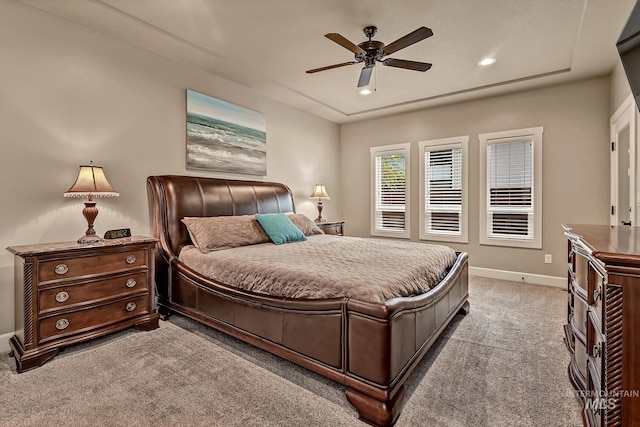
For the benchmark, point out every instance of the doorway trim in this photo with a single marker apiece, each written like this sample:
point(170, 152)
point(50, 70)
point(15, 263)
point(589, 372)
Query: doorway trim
point(625, 116)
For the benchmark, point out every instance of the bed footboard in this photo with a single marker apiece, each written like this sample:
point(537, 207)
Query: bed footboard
point(386, 342)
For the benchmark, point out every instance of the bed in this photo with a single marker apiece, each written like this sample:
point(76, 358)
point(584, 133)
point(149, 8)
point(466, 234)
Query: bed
point(368, 344)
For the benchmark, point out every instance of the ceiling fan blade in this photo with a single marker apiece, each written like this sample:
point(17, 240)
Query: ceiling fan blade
point(335, 37)
point(365, 76)
point(411, 38)
point(329, 67)
point(409, 65)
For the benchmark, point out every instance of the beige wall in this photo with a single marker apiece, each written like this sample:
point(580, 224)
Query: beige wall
point(575, 118)
point(69, 95)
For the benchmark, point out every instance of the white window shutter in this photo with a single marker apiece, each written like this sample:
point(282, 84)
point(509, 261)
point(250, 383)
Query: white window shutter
point(443, 191)
point(510, 189)
point(390, 192)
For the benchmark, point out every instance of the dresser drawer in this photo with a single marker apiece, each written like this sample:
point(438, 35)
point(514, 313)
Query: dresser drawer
point(597, 401)
point(595, 349)
point(86, 293)
point(580, 356)
point(68, 268)
point(581, 272)
point(86, 320)
point(579, 319)
point(595, 294)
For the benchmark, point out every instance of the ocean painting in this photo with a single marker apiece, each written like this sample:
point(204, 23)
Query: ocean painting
point(224, 137)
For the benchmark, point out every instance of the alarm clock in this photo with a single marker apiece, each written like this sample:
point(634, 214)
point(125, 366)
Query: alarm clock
point(117, 234)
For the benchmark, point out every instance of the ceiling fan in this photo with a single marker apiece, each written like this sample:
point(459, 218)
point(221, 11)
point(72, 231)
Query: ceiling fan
point(371, 51)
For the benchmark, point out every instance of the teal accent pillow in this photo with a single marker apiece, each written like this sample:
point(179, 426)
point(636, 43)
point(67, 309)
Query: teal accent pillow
point(279, 228)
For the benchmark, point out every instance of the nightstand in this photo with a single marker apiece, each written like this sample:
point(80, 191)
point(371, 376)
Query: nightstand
point(66, 293)
point(334, 227)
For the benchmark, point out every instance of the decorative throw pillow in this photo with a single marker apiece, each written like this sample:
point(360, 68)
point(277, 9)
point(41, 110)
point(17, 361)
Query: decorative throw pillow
point(305, 224)
point(223, 232)
point(279, 228)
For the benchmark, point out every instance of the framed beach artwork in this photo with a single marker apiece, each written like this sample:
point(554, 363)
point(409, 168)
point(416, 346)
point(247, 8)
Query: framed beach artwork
point(224, 137)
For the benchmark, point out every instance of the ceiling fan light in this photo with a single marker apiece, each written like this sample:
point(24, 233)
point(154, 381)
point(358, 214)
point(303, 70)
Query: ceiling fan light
point(487, 61)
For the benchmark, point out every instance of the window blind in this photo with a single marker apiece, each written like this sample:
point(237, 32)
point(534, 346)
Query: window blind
point(443, 191)
point(390, 203)
point(510, 184)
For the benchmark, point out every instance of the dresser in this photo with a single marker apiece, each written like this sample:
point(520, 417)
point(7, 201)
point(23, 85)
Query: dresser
point(602, 331)
point(332, 227)
point(66, 293)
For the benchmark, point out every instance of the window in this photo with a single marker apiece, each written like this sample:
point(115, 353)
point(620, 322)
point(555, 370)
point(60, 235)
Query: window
point(443, 189)
point(511, 188)
point(390, 188)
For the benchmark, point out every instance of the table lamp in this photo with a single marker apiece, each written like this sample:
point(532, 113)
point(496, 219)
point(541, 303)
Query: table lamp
point(319, 192)
point(91, 182)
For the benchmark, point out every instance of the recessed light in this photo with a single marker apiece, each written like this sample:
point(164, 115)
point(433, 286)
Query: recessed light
point(487, 61)
point(365, 91)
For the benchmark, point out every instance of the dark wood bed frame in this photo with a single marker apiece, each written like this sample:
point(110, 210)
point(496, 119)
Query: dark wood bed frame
point(370, 348)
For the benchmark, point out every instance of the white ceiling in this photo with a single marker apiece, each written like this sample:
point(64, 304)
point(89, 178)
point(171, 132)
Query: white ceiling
point(267, 45)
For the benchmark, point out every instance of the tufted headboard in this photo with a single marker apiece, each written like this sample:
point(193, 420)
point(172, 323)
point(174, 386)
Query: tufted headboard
point(173, 197)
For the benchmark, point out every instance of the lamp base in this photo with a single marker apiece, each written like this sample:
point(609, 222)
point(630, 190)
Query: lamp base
point(87, 240)
point(90, 213)
point(320, 219)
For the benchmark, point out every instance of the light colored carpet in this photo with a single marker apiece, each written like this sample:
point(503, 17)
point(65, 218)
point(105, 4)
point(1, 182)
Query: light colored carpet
point(504, 364)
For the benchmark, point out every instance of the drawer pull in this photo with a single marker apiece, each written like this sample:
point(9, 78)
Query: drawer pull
point(131, 306)
point(130, 259)
point(62, 324)
point(62, 296)
point(597, 350)
point(130, 283)
point(61, 269)
point(597, 294)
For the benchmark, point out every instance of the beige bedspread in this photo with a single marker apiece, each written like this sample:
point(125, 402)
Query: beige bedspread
point(328, 266)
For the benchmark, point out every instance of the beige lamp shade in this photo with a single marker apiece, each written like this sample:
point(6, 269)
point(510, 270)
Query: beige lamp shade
point(319, 192)
point(91, 182)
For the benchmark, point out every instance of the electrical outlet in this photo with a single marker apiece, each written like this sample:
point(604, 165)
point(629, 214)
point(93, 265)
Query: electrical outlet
point(548, 259)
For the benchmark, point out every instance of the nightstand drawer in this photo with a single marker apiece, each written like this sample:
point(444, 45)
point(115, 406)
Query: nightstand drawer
point(61, 297)
point(336, 228)
point(65, 324)
point(67, 268)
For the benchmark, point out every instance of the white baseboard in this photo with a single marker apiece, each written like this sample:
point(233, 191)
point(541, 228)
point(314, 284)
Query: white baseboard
point(536, 279)
point(4, 342)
